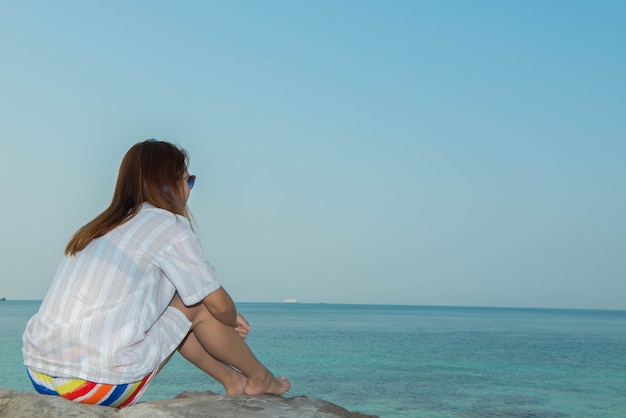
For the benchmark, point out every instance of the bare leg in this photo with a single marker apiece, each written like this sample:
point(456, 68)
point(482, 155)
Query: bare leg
point(215, 347)
point(233, 381)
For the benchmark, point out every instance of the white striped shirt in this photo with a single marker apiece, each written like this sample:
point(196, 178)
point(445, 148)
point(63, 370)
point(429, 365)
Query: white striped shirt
point(106, 317)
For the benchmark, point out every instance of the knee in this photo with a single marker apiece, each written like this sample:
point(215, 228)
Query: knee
point(194, 313)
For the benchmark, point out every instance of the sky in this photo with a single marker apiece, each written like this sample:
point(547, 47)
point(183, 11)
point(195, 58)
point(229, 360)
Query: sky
point(463, 153)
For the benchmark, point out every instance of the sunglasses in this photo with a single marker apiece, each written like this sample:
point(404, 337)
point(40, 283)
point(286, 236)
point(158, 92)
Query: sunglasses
point(191, 180)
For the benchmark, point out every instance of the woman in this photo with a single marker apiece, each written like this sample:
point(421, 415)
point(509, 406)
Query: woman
point(132, 288)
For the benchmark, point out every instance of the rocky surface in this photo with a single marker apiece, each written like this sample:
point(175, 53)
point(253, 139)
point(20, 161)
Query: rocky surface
point(16, 404)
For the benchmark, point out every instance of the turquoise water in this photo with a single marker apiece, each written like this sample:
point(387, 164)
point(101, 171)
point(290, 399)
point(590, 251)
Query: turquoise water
point(413, 361)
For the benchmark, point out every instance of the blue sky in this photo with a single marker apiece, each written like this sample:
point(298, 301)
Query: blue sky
point(404, 152)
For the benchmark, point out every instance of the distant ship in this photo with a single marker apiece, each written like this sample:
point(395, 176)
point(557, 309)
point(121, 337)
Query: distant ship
point(3, 299)
point(290, 300)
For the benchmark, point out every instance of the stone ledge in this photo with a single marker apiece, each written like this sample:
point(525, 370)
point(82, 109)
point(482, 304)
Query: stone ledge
point(17, 404)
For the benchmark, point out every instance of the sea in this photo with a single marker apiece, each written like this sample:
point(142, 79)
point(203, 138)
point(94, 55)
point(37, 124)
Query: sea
point(411, 361)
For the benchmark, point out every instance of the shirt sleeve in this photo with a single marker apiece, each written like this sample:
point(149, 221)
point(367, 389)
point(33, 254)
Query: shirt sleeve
point(185, 266)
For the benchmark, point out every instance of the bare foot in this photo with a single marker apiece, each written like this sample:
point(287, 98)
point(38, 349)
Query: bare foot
point(237, 385)
point(268, 384)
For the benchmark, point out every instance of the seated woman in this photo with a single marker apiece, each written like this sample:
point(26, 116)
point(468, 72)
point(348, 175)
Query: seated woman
point(133, 287)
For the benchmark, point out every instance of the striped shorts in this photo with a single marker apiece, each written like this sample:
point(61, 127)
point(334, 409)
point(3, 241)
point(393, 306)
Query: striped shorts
point(84, 391)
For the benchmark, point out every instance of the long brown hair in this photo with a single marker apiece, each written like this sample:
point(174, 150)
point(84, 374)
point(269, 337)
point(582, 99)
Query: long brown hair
point(151, 171)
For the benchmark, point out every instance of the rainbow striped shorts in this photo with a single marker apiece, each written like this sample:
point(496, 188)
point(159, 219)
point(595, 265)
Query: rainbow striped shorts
point(84, 391)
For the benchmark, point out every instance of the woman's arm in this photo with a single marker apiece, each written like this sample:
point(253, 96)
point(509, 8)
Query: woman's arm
point(222, 307)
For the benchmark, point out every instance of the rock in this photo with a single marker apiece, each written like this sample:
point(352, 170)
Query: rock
point(16, 404)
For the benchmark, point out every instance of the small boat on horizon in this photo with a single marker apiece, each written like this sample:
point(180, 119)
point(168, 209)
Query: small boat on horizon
point(290, 300)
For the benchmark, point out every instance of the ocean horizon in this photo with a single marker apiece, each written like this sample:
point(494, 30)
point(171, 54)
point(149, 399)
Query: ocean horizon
point(289, 301)
point(412, 360)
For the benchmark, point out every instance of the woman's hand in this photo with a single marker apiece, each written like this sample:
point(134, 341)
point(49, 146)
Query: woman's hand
point(243, 327)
